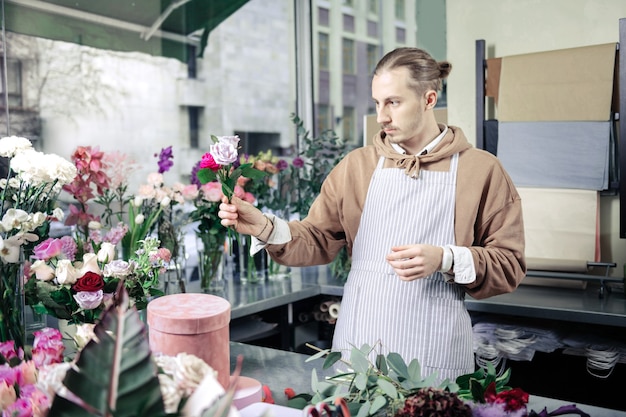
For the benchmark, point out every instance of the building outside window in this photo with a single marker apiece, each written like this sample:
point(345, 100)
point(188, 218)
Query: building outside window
point(348, 56)
point(323, 118)
point(13, 84)
point(349, 124)
point(323, 51)
point(373, 6)
point(400, 11)
point(373, 55)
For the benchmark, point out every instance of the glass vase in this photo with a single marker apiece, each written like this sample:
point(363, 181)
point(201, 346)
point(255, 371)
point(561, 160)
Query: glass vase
point(12, 301)
point(210, 268)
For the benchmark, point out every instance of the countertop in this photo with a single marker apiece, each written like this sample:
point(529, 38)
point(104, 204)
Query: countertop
point(280, 369)
point(565, 304)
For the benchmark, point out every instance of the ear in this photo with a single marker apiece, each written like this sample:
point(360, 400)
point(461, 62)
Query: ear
point(431, 99)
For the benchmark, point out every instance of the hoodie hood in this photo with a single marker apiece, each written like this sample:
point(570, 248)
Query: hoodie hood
point(453, 142)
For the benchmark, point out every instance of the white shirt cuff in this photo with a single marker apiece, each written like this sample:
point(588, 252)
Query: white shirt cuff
point(464, 270)
point(280, 234)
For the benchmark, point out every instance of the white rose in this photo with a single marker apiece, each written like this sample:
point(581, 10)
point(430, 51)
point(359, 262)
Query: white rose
point(66, 272)
point(107, 252)
point(90, 264)
point(58, 214)
point(42, 271)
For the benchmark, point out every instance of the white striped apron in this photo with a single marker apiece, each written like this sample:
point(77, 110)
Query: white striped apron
point(423, 319)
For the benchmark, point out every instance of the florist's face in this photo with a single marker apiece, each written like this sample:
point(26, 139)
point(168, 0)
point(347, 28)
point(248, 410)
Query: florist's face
point(400, 111)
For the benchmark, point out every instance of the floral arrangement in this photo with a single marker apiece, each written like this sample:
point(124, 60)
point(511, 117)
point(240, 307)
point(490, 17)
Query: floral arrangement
point(35, 386)
point(28, 197)
point(393, 387)
point(149, 210)
point(20, 391)
point(115, 373)
point(79, 289)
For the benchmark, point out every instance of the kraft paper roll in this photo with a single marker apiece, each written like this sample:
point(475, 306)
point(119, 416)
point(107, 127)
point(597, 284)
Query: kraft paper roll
point(333, 310)
point(565, 84)
point(561, 227)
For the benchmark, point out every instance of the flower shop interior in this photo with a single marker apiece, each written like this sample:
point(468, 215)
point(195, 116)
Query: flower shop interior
point(107, 109)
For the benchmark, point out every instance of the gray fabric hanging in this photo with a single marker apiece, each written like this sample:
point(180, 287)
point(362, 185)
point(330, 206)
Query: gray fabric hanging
point(556, 154)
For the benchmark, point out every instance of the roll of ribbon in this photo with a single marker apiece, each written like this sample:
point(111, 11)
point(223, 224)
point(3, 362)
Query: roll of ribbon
point(325, 306)
point(333, 310)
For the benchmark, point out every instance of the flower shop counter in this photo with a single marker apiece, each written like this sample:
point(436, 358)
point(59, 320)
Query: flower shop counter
point(280, 369)
point(563, 304)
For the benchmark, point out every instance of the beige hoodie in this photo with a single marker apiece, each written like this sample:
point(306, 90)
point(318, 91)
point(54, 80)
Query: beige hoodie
point(488, 213)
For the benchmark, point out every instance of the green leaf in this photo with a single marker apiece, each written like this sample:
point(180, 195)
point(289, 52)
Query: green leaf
point(381, 364)
point(115, 373)
point(414, 370)
point(377, 404)
point(360, 382)
point(249, 172)
point(331, 359)
point(398, 365)
point(364, 410)
point(388, 388)
point(206, 175)
point(359, 360)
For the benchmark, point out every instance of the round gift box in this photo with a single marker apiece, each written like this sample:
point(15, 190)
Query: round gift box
point(196, 324)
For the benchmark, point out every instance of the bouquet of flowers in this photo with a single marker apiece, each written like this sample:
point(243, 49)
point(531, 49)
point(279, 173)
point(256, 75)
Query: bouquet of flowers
point(27, 203)
point(79, 289)
point(222, 164)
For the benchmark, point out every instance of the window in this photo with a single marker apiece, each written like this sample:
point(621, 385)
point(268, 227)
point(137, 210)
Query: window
point(400, 35)
point(14, 83)
point(348, 56)
point(348, 3)
point(400, 13)
point(372, 57)
point(348, 124)
point(373, 6)
point(323, 16)
point(323, 118)
point(323, 51)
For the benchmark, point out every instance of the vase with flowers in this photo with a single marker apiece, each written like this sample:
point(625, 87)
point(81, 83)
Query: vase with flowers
point(78, 289)
point(222, 164)
point(28, 196)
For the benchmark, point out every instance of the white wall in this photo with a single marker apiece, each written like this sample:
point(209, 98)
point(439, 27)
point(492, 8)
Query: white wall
point(511, 27)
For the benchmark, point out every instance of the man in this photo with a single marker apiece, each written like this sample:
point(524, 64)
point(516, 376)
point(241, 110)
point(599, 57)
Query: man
point(425, 216)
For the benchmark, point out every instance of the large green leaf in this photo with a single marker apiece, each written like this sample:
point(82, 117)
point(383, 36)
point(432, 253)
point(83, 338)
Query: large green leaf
point(115, 374)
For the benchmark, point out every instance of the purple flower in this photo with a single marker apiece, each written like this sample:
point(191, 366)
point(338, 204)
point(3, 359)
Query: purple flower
point(194, 175)
point(281, 165)
point(298, 162)
point(165, 159)
point(69, 247)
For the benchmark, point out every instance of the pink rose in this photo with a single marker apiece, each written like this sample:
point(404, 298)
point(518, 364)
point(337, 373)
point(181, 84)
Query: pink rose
point(212, 191)
point(47, 249)
point(208, 161)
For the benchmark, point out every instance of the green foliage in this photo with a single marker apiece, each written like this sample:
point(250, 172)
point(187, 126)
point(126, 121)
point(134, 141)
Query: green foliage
point(368, 388)
point(114, 373)
point(473, 386)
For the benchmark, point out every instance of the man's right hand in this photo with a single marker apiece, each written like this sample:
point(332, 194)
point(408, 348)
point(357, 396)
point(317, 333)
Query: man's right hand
point(243, 216)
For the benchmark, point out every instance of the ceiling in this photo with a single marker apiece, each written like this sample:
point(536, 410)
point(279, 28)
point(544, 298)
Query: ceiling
point(157, 27)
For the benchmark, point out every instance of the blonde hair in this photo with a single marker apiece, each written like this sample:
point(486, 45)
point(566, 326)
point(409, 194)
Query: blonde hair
point(425, 73)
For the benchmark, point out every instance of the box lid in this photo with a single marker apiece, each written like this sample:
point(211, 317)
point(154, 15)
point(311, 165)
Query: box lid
point(188, 313)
